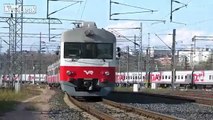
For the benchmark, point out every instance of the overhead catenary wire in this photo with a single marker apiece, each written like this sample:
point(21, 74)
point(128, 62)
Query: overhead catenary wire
point(83, 9)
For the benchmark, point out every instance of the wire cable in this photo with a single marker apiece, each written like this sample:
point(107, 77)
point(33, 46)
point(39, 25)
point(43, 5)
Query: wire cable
point(83, 9)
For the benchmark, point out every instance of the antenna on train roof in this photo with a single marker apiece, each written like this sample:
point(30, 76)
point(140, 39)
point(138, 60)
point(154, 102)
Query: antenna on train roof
point(77, 24)
point(85, 24)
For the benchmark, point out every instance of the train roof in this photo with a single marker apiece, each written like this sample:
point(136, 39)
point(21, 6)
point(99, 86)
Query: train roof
point(88, 33)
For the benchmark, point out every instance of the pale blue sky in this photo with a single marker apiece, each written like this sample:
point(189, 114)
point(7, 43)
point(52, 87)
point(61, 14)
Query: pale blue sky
point(197, 17)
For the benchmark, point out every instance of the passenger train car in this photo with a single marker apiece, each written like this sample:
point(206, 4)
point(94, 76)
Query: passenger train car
point(25, 78)
point(87, 61)
point(202, 79)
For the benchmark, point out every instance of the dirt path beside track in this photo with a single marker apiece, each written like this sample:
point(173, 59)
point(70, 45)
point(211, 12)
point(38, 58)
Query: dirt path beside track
point(35, 108)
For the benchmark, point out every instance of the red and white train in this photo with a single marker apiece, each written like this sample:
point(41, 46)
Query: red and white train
point(25, 78)
point(87, 61)
point(202, 78)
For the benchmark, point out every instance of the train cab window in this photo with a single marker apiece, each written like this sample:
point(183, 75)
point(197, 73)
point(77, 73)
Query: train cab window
point(105, 51)
point(72, 50)
point(88, 50)
point(97, 50)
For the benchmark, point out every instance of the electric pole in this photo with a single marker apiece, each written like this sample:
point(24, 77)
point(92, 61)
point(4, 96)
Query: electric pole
point(173, 58)
point(148, 62)
point(128, 62)
point(40, 59)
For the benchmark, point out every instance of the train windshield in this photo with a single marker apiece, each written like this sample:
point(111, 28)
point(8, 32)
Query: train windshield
point(88, 50)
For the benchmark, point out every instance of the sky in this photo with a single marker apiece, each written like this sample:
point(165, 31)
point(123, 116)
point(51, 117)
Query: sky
point(195, 19)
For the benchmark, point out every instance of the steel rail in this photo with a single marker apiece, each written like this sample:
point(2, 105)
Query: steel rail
point(100, 115)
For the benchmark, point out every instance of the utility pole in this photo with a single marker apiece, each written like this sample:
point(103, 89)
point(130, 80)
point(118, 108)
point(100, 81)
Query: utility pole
point(40, 59)
point(173, 58)
point(141, 50)
point(134, 42)
point(148, 61)
point(128, 62)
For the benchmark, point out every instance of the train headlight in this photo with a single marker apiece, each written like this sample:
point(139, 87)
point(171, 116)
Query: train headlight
point(69, 72)
point(107, 73)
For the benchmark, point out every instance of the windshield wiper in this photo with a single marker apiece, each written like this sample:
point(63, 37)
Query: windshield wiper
point(73, 57)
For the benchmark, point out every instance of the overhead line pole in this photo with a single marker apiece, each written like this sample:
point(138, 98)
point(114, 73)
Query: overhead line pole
point(128, 62)
point(173, 58)
point(141, 49)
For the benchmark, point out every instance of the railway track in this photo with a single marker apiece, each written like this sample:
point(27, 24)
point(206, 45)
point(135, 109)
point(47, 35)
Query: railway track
point(175, 96)
point(109, 110)
point(200, 99)
point(197, 99)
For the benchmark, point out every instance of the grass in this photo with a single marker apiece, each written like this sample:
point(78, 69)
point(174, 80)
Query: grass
point(9, 99)
point(128, 89)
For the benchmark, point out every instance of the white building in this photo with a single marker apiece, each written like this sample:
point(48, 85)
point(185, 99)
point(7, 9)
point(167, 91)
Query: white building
point(197, 56)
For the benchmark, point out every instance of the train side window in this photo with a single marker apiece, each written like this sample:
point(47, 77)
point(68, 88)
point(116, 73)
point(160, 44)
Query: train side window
point(169, 77)
point(175, 76)
point(162, 76)
point(210, 77)
point(178, 76)
point(143, 77)
point(190, 76)
point(185, 76)
point(165, 76)
point(181, 76)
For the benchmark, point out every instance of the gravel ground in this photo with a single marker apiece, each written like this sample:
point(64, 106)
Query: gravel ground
point(188, 111)
point(60, 111)
point(118, 113)
point(177, 108)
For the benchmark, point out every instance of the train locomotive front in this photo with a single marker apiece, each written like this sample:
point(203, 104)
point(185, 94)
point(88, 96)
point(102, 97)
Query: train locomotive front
point(87, 61)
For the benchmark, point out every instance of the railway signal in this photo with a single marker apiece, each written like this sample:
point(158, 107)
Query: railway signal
point(118, 52)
